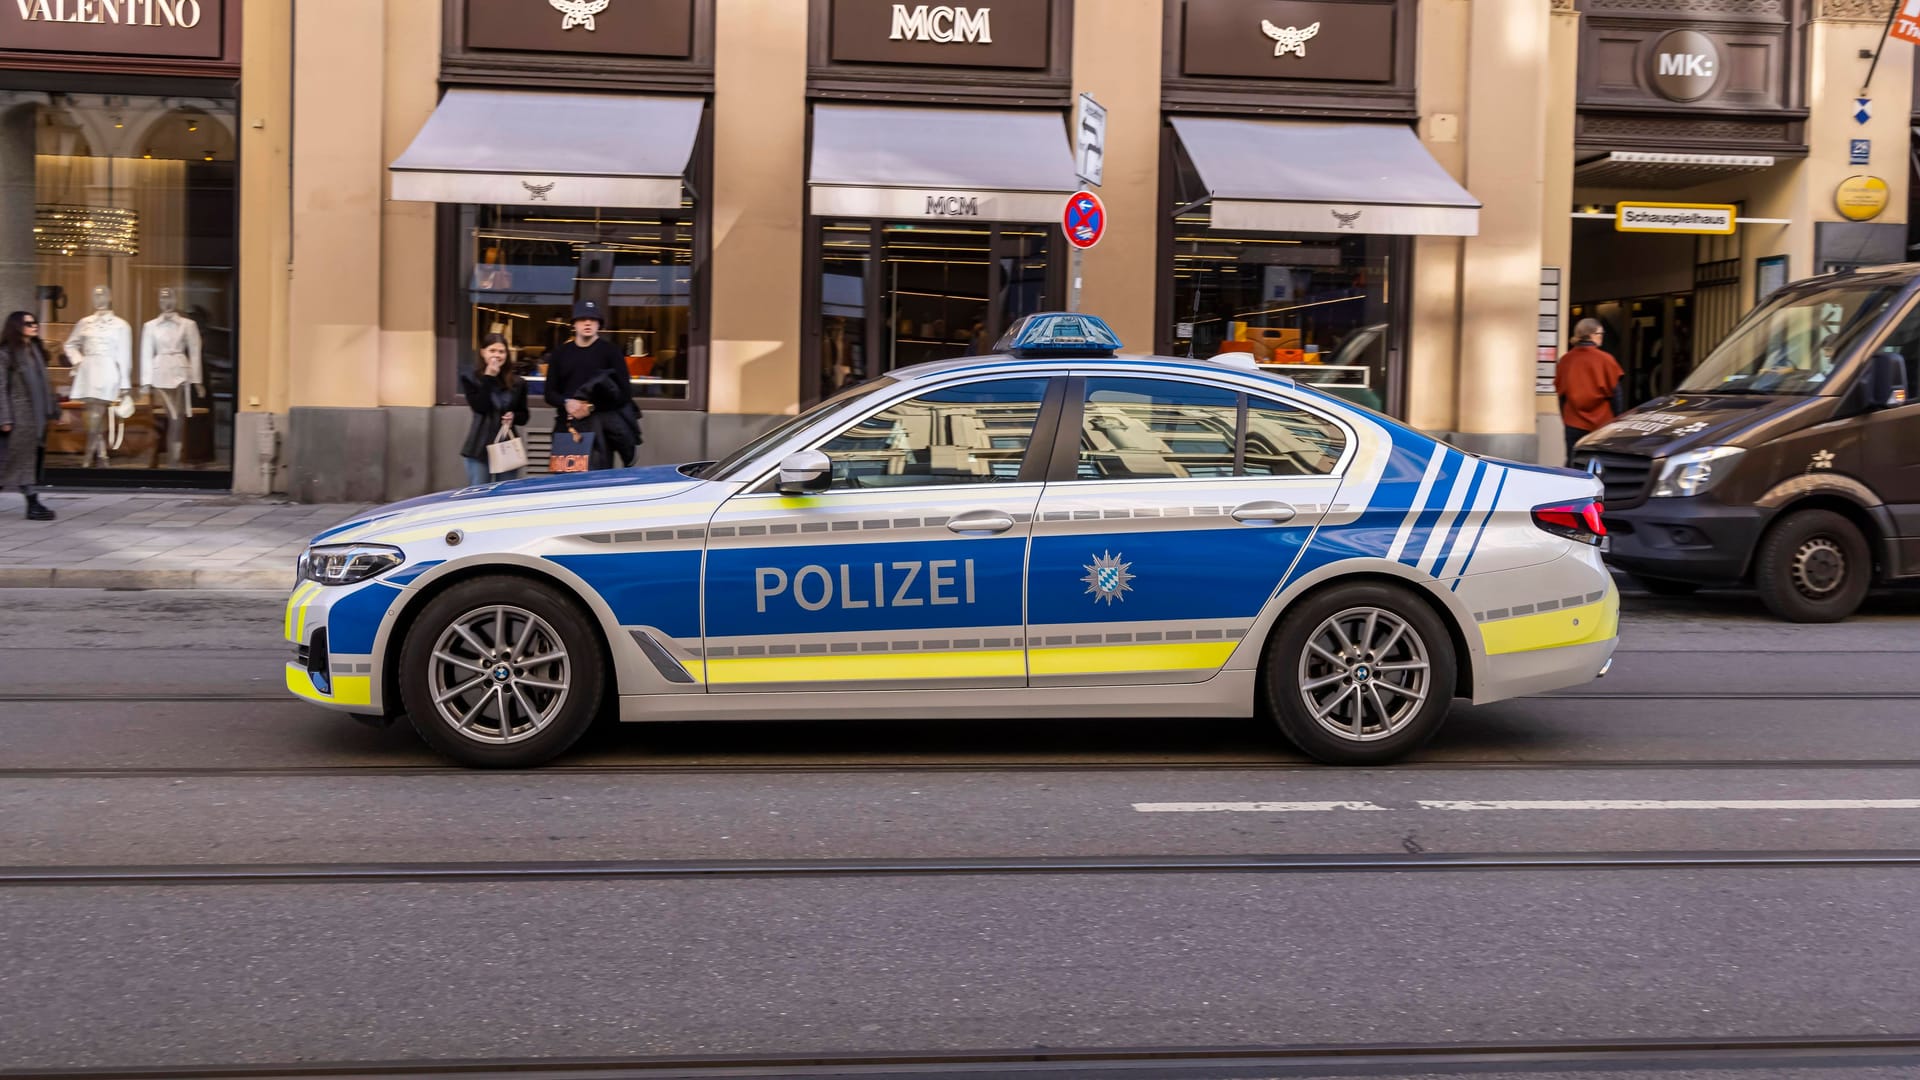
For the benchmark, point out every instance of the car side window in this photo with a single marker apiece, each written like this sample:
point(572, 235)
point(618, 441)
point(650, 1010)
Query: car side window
point(1286, 441)
point(1905, 339)
point(1144, 429)
point(975, 433)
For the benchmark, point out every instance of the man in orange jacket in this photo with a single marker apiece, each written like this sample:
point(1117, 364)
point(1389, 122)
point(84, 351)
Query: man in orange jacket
point(1587, 379)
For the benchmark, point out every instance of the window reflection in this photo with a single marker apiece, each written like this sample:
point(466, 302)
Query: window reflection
point(970, 434)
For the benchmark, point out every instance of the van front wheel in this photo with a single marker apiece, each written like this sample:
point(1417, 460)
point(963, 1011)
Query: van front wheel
point(1813, 566)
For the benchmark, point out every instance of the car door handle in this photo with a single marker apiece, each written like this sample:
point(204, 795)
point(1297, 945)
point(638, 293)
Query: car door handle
point(981, 521)
point(1274, 512)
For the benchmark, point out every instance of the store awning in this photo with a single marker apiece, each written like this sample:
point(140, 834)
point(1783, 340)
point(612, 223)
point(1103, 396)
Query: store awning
point(568, 149)
point(1659, 169)
point(1313, 176)
point(873, 161)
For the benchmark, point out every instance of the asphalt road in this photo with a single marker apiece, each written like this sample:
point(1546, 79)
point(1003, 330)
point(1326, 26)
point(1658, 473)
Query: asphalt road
point(1703, 865)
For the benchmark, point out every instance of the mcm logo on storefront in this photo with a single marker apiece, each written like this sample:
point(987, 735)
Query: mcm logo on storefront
point(953, 206)
point(1289, 39)
point(177, 14)
point(942, 23)
point(579, 12)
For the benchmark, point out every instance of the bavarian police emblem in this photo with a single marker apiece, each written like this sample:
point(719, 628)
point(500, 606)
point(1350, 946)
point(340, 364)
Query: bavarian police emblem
point(1108, 578)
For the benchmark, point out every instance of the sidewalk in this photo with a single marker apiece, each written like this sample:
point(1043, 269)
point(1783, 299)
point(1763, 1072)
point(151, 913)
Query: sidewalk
point(159, 540)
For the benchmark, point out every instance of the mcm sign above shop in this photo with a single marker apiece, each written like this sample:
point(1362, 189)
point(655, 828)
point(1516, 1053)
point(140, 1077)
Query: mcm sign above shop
point(909, 50)
point(1343, 56)
point(193, 30)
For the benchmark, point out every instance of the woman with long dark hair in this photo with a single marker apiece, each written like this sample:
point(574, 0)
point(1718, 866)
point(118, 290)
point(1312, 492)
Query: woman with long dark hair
point(27, 408)
point(498, 397)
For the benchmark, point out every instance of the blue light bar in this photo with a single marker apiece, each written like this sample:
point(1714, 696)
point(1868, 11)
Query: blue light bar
point(1058, 333)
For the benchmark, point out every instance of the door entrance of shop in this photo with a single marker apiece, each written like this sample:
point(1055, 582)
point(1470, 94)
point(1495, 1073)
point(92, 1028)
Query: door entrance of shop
point(1651, 336)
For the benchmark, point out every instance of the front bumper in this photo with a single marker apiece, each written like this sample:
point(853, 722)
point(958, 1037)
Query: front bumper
point(334, 631)
point(1688, 539)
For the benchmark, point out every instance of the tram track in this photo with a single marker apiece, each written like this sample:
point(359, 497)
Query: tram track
point(340, 873)
point(1353, 1059)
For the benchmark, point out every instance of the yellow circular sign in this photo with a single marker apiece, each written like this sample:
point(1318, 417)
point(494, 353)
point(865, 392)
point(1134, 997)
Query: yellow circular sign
point(1861, 198)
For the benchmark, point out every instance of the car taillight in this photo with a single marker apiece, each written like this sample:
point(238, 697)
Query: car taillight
point(1577, 520)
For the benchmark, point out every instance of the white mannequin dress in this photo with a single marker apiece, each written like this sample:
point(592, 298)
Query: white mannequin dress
point(170, 352)
point(101, 348)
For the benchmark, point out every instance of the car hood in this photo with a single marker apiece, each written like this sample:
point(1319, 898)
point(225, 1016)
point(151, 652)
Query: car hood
point(628, 485)
point(1668, 425)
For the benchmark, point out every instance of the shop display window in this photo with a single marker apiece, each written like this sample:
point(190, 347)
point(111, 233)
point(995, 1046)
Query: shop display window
point(125, 250)
point(526, 266)
point(1317, 307)
point(899, 293)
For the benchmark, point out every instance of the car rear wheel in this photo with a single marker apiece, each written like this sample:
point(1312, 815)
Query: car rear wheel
point(1360, 674)
point(501, 672)
point(1813, 566)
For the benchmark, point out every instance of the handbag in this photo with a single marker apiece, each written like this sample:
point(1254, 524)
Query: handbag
point(572, 451)
point(506, 452)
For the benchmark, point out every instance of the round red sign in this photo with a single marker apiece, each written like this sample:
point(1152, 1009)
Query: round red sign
point(1085, 219)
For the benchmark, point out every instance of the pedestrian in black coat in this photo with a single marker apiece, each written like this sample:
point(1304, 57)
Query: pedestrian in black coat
point(498, 398)
point(27, 409)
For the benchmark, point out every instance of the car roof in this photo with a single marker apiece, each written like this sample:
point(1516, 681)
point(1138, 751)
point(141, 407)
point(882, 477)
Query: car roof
point(1004, 362)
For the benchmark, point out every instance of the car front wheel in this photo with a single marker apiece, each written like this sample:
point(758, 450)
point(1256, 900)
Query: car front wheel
point(1360, 674)
point(1813, 566)
point(501, 672)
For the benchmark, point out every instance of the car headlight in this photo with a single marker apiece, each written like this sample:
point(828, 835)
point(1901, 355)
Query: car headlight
point(1693, 472)
point(348, 564)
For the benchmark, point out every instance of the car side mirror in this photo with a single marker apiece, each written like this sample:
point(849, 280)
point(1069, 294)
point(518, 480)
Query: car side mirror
point(1887, 380)
point(806, 472)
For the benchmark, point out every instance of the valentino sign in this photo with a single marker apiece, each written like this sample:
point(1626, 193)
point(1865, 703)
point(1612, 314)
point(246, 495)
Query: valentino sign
point(180, 14)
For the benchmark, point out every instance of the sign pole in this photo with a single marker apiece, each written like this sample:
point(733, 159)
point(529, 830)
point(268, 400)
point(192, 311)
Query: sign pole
point(1893, 11)
point(1073, 285)
point(1083, 221)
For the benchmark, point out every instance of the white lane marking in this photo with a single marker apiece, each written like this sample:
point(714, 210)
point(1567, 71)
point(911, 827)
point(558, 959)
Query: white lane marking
point(1254, 807)
point(1419, 503)
point(1532, 804)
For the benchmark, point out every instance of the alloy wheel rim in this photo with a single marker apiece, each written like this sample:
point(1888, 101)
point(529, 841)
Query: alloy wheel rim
point(1819, 568)
point(499, 674)
point(1364, 674)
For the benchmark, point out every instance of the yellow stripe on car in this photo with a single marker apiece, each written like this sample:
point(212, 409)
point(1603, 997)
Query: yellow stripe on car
point(1554, 629)
point(979, 664)
point(347, 689)
point(1115, 659)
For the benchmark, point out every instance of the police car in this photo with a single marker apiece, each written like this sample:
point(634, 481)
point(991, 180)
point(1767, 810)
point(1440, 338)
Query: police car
point(1052, 531)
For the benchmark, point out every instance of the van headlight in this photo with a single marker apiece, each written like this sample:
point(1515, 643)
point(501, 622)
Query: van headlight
point(1695, 471)
point(347, 564)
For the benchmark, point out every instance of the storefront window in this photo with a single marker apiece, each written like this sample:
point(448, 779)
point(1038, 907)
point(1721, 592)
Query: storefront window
point(1317, 307)
point(899, 293)
point(125, 252)
point(527, 265)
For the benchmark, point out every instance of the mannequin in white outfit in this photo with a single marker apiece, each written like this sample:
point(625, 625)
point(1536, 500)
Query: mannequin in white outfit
point(100, 348)
point(170, 366)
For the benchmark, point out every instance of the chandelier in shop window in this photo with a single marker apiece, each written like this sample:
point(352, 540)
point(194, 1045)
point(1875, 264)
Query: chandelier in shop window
point(85, 230)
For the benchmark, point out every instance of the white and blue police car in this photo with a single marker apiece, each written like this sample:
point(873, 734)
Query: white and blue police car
point(1055, 530)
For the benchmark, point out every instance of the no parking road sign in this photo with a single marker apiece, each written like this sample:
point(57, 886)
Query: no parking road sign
point(1085, 219)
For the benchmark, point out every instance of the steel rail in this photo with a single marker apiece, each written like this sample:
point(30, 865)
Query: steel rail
point(1348, 1059)
point(326, 873)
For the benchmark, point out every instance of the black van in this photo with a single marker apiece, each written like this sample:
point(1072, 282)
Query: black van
point(1789, 458)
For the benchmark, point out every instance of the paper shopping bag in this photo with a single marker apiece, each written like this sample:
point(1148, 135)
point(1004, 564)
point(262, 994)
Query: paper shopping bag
point(572, 451)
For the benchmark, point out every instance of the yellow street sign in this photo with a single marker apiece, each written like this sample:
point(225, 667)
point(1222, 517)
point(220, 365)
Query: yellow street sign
point(1712, 219)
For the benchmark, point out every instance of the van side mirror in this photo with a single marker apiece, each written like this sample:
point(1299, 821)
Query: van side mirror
point(1887, 380)
point(806, 472)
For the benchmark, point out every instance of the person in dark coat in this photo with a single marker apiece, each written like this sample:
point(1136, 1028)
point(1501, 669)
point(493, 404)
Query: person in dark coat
point(498, 398)
point(579, 361)
point(27, 409)
point(615, 418)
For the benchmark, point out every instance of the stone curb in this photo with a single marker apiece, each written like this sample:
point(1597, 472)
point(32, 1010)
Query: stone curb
point(53, 577)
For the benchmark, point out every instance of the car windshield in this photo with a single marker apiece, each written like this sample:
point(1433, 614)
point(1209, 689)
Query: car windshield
point(1791, 345)
point(722, 469)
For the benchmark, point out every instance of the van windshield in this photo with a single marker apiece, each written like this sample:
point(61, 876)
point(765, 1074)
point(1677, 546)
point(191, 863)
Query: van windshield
point(1791, 345)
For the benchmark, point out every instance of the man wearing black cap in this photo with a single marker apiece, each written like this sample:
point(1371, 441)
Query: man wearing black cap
point(580, 361)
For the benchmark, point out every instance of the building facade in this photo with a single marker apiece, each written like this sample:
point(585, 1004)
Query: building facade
point(1406, 201)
